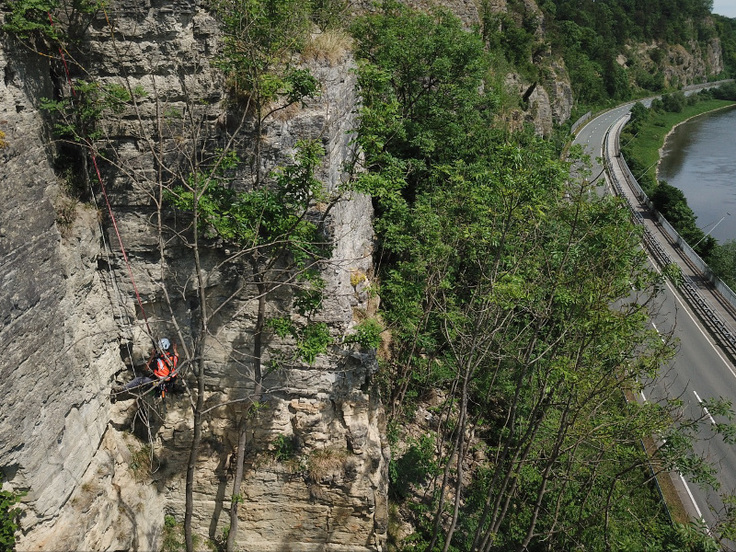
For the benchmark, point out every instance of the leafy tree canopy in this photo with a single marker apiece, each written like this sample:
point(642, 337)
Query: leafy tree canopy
point(498, 279)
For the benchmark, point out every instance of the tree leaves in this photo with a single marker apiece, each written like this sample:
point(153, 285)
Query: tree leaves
point(522, 296)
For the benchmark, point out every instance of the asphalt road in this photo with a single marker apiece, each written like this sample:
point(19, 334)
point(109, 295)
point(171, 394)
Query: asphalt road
point(700, 370)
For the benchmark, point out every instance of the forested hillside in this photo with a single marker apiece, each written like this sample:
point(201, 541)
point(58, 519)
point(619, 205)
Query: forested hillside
point(500, 371)
point(507, 289)
point(505, 463)
point(615, 49)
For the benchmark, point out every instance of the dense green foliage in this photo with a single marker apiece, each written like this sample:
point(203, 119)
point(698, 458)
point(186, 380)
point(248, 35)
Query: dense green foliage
point(367, 334)
point(727, 33)
point(419, 82)
point(33, 20)
point(260, 36)
point(9, 516)
point(671, 202)
point(591, 36)
point(271, 228)
point(497, 279)
point(722, 261)
point(30, 16)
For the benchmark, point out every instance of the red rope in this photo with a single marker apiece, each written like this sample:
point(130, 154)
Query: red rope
point(120, 239)
point(63, 60)
point(107, 200)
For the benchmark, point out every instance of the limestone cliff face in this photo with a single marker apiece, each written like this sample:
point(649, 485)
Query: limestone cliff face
point(681, 66)
point(71, 327)
point(57, 333)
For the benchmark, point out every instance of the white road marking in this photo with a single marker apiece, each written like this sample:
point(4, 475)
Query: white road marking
point(704, 408)
point(695, 504)
point(686, 308)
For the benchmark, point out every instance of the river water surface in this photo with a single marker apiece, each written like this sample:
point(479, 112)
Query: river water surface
point(699, 158)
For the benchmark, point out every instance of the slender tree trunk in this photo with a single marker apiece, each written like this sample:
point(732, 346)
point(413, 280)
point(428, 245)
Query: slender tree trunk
point(194, 452)
point(445, 477)
point(258, 376)
point(460, 455)
point(562, 431)
point(257, 155)
point(236, 498)
point(200, 362)
point(519, 450)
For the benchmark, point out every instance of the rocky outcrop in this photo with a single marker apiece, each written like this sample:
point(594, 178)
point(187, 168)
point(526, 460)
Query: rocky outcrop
point(316, 467)
point(544, 105)
point(546, 102)
point(316, 462)
point(680, 66)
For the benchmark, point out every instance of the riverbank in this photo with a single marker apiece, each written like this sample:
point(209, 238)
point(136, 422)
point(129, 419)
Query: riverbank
point(644, 149)
point(643, 144)
point(660, 152)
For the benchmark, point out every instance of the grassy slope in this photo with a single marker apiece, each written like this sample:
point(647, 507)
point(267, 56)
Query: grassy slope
point(650, 139)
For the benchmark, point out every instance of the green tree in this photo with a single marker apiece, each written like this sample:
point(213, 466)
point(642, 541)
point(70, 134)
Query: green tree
point(274, 229)
point(639, 115)
point(510, 289)
point(329, 14)
point(722, 260)
point(674, 102)
point(672, 203)
point(616, 80)
point(418, 79)
point(49, 27)
point(260, 39)
point(30, 17)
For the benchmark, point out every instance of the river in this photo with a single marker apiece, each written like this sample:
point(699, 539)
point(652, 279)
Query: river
point(699, 158)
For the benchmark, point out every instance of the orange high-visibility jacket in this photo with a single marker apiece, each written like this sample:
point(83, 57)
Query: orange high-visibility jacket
point(166, 365)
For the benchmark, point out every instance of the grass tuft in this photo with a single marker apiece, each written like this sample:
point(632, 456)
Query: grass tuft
point(328, 47)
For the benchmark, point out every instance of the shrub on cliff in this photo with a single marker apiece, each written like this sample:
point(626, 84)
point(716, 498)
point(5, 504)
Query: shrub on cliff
point(9, 516)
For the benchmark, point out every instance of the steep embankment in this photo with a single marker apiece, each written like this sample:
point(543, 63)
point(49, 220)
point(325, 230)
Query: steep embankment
point(316, 462)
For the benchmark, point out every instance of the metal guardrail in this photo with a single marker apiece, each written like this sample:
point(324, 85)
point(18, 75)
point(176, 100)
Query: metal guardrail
point(719, 329)
point(581, 121)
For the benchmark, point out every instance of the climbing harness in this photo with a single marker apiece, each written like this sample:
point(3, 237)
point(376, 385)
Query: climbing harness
point(145, 410)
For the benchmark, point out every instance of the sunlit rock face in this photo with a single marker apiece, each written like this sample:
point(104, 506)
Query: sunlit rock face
point(96, 478)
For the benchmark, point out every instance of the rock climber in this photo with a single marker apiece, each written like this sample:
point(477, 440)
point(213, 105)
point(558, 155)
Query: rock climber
point(162, 368)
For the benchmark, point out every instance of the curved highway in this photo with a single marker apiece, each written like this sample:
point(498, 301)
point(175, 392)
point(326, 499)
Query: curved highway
point(701, 370)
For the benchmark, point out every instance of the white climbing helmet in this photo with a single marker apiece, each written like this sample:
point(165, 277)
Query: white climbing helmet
point(164, 344)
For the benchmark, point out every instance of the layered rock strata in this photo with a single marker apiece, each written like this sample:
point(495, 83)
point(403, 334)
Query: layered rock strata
point(72, 328)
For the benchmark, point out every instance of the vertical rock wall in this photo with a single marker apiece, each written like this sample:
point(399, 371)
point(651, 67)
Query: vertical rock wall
point(71, 328)
point(57, 339)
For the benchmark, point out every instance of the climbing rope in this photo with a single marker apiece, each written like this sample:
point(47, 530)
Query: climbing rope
point(147, 411)
point(144, 409)
point(63, 59)
point(120, 240)
point(88, 142)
